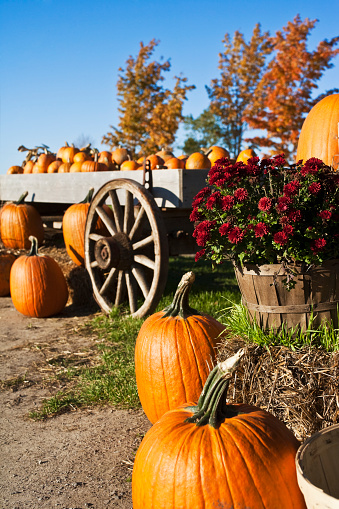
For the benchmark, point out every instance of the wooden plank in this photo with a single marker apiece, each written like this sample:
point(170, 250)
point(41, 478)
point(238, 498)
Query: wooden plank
point(171, 188)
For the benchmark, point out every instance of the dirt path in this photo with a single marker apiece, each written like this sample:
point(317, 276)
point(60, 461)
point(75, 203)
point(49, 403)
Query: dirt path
point(82, 459)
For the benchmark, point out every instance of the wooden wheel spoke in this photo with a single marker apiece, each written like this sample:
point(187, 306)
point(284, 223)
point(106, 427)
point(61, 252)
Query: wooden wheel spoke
point(129, 212)
point(109, 280)
point(131, 291)
point(144, 260)
point(117, 210)
point(106, 220)
point(141, 280)
point(143, 243)
point(95, 237)
point(94, 264)
point(119, 297)
point(138, 223)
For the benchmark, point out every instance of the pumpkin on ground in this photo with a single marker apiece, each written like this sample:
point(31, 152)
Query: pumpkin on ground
point(173, 352)
point(212, 454)
point(37, 284)
point(198, 161)
point(319, 133)
point(6, 262)
point(19, 220)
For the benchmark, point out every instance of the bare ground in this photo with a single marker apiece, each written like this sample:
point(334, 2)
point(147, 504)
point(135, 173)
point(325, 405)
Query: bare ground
point(80, 459)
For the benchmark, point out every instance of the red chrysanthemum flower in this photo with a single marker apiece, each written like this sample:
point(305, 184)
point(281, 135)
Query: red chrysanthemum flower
point(311, 167)
point(225, 228)
point(318, 245)
point(280, 238)
point(325, 214)
point(314, 188)
point(235, 235)
point(261, 229)
point(288, 229)
point(292, 188)
point(200, 254)
point(196, 215)
point(294, 215)
point(241, 194)
point(213, 200)
point(283, 203)
point(264, 204)
point(227, 202)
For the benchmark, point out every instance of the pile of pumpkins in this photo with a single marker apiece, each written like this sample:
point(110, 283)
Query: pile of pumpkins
point(70, 159)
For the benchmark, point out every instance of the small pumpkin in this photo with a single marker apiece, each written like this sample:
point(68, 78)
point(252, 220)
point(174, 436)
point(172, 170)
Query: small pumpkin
point(43, 162)
point(210, 454)
point(198, 161)
point(81, 156)
point(6, 262)
point(64, 167)
point(119, 155)
point(245, 155)
point(37, 284)
point(174, 163)
point(19, 220)
point(130, 166)
point(173, 350)
point(319, 133)
point(215, 152)
point(155, 161)
point(68, 154)
point(15, 170)
point(54, 166)
point(88, 166)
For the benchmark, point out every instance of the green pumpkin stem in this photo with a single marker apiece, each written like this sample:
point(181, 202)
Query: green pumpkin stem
point(180, 306)
point(89, 196)
point(34, 246)
point(22, 198)
point(212, 408)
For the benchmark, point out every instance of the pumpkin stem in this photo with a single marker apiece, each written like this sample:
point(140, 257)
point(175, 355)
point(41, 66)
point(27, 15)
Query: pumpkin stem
point(212, 408)
point(22, 198)
point(180, 306)
point(34, 246)
point(88, 196)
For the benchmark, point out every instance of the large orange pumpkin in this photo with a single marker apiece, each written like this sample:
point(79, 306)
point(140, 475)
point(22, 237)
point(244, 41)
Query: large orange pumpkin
point(198, 161)
point(119, 155)
point(6, 262)
point(173, 350)
point(19, 220)
point(88, 166)
point(319, 135)
point(210, 454)
point(37, 284)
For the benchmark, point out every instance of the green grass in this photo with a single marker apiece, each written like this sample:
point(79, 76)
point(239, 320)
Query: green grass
point(112, 379)
point(237, 320)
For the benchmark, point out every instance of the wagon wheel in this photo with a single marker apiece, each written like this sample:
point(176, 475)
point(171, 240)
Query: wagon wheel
point(129, 262)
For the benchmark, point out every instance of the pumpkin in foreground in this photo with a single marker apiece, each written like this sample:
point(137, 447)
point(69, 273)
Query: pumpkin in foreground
point(173, 352)
point(37, 284)
point(217, 455)
point(19, 220)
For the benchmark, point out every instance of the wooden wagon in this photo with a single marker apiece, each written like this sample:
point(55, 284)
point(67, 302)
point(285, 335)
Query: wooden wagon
point(150, 223)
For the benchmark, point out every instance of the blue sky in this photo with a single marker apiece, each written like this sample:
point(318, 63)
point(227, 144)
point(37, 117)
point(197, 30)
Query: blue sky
point(60, 58)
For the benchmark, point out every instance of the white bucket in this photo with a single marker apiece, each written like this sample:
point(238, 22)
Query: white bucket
point(317, 463)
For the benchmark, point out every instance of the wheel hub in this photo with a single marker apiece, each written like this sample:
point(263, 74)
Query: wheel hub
point(114, 251)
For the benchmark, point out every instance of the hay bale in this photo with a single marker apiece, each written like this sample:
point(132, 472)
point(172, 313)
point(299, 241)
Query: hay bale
point(301, 387)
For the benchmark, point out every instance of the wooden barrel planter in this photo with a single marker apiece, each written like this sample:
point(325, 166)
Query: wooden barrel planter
point(272, 305)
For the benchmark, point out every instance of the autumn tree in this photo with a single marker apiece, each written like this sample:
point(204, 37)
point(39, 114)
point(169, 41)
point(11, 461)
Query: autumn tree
point(149, 113)
point(203, 131)
point(284, 94)
point(241, 68)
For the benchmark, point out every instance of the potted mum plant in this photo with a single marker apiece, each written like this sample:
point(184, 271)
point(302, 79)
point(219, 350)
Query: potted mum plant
point(279, 224)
